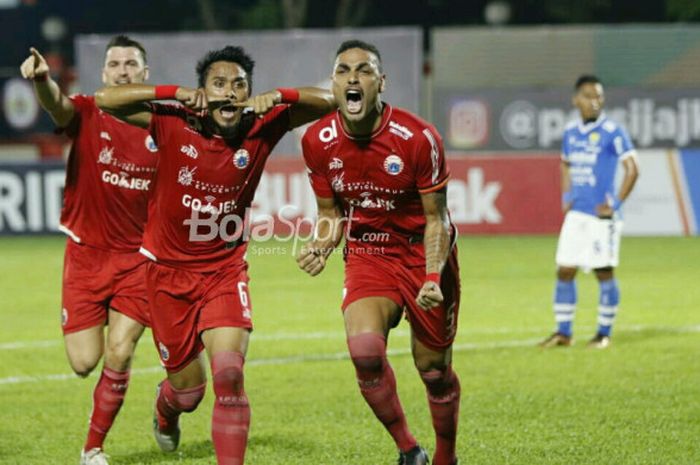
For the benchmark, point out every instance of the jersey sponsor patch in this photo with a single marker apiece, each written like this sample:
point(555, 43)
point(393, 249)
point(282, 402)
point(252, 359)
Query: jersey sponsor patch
point(335, 164)
point(105, 156)
point(186, 175)
point(393, 164)
point(190, 151)
point(241, 159)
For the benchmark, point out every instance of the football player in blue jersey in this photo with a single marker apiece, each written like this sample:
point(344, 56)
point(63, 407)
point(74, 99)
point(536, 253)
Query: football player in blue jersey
point(592, 148)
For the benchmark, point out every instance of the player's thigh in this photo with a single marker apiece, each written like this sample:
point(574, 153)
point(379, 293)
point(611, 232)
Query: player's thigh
point(371, 315)
point(84, 349)
point(193, 374)
point(225, 339)
point(574, 240)
point(123, 333)
point(429, 358)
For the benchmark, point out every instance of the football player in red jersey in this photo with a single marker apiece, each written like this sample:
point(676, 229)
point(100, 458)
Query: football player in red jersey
point(109, 172)
point(379, 175)
point(212, 154)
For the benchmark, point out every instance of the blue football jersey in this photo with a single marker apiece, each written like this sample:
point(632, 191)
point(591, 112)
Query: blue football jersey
point(593, 151)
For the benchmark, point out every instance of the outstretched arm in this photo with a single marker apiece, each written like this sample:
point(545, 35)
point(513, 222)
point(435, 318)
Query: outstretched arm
point(50, 97)
point(327, 235)
point(129, 102)
point(436, 240)
point(307, 103)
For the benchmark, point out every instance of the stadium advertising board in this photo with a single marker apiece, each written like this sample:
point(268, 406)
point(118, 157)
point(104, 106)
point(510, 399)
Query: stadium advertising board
point(499, 194)
point(522, 120)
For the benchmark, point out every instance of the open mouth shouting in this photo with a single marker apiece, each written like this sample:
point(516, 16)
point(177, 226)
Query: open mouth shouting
point(353, 99)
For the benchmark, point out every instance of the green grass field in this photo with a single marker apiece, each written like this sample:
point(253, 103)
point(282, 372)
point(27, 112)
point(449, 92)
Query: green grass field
point(635, 403)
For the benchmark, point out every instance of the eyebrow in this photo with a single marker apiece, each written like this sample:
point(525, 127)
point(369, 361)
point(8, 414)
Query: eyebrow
point(359, 65)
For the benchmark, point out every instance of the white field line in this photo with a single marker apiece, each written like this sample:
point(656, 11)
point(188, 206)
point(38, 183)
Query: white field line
point(292, 336)
point(343, 355)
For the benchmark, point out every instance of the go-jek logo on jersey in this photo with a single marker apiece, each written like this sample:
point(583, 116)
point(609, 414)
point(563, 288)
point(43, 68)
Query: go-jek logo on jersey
point(123, 180)
point(366, 201)
point(208, 204)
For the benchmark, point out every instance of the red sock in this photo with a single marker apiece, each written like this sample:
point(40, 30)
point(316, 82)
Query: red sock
point(107, 399)
point(378, 386)
point(172, 402)
point(443, 397)
point(231, 417)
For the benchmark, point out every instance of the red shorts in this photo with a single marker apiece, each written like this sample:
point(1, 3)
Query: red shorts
point(185, 303)
point(95, 280)
point(385, 276)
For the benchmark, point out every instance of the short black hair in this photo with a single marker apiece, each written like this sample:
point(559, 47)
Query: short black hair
point(231, 54)
point(586, 79)
point(362, 45)
point(125, 41)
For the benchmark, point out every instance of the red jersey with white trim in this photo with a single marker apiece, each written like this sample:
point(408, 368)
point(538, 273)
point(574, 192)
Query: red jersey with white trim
point(378, 180)
point(204, 186)
point(109, 172)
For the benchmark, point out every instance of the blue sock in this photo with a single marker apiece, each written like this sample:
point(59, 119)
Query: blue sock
point(607, 305)
point(565, 306)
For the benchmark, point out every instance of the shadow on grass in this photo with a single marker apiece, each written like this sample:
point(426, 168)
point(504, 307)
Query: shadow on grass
point(186, 452)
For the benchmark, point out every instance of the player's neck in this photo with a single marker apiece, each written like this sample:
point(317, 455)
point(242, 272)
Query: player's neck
point(367, 125)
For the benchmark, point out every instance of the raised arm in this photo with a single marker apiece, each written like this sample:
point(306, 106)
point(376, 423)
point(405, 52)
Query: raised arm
point(50, 97)
point(128, 102)
point(307, 103)
point(436, 240)
point(328, 232)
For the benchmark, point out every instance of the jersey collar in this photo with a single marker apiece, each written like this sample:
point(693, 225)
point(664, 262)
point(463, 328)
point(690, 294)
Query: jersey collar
point(588, 127)
point(386, 116)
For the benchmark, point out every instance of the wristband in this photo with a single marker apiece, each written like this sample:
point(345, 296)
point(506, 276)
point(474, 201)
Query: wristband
point(617, 203)
point(566, 197)
point(433, 277)
point(42, 78)
point(288, 94)
point(166, 92)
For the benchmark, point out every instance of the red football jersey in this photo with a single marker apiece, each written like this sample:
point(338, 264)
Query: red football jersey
point(379, 179)
point(109, 173)
point(204, 186)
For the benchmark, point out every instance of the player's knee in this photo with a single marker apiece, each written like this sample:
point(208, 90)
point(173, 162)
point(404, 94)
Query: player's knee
point(119, 353)
point(368, 352)
point(187, 400)
point(227, 375)
point(439, 383)
point(83, 364)
point(566, 274)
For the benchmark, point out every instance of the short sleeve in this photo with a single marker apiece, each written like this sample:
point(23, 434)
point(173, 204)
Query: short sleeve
point(273, 126)
point(622, 144)
point(430, 167)
point(315, 169)
point(84, 106)
point(160, 114)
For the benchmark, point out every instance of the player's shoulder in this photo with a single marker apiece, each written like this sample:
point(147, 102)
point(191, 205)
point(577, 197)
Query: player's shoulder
point(279, 115)
point(611, 126)
point(323, 130)
point(407, 125)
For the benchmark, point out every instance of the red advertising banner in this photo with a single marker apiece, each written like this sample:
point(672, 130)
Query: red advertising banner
point(495, 194)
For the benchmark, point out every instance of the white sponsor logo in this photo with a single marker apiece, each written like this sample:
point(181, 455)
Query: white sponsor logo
point(123, 180)
point(474, 202)
point(241, 159)
point(337, 183)
point(208, 206)
point(335, 164)
point(151, 144)
point(186, 175)
point(105, 135)
point(328, 133)
point(190, 151)
point(366, 201)
point(393, 164)
point(401, 131)
point(105, 156)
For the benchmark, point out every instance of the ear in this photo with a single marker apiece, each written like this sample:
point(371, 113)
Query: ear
point(146, 72)
point(382, 83)
point(104, 77)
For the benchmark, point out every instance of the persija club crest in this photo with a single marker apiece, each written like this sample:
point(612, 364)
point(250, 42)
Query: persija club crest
point(393, 164)
point(241, 159)
point(164, 353)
